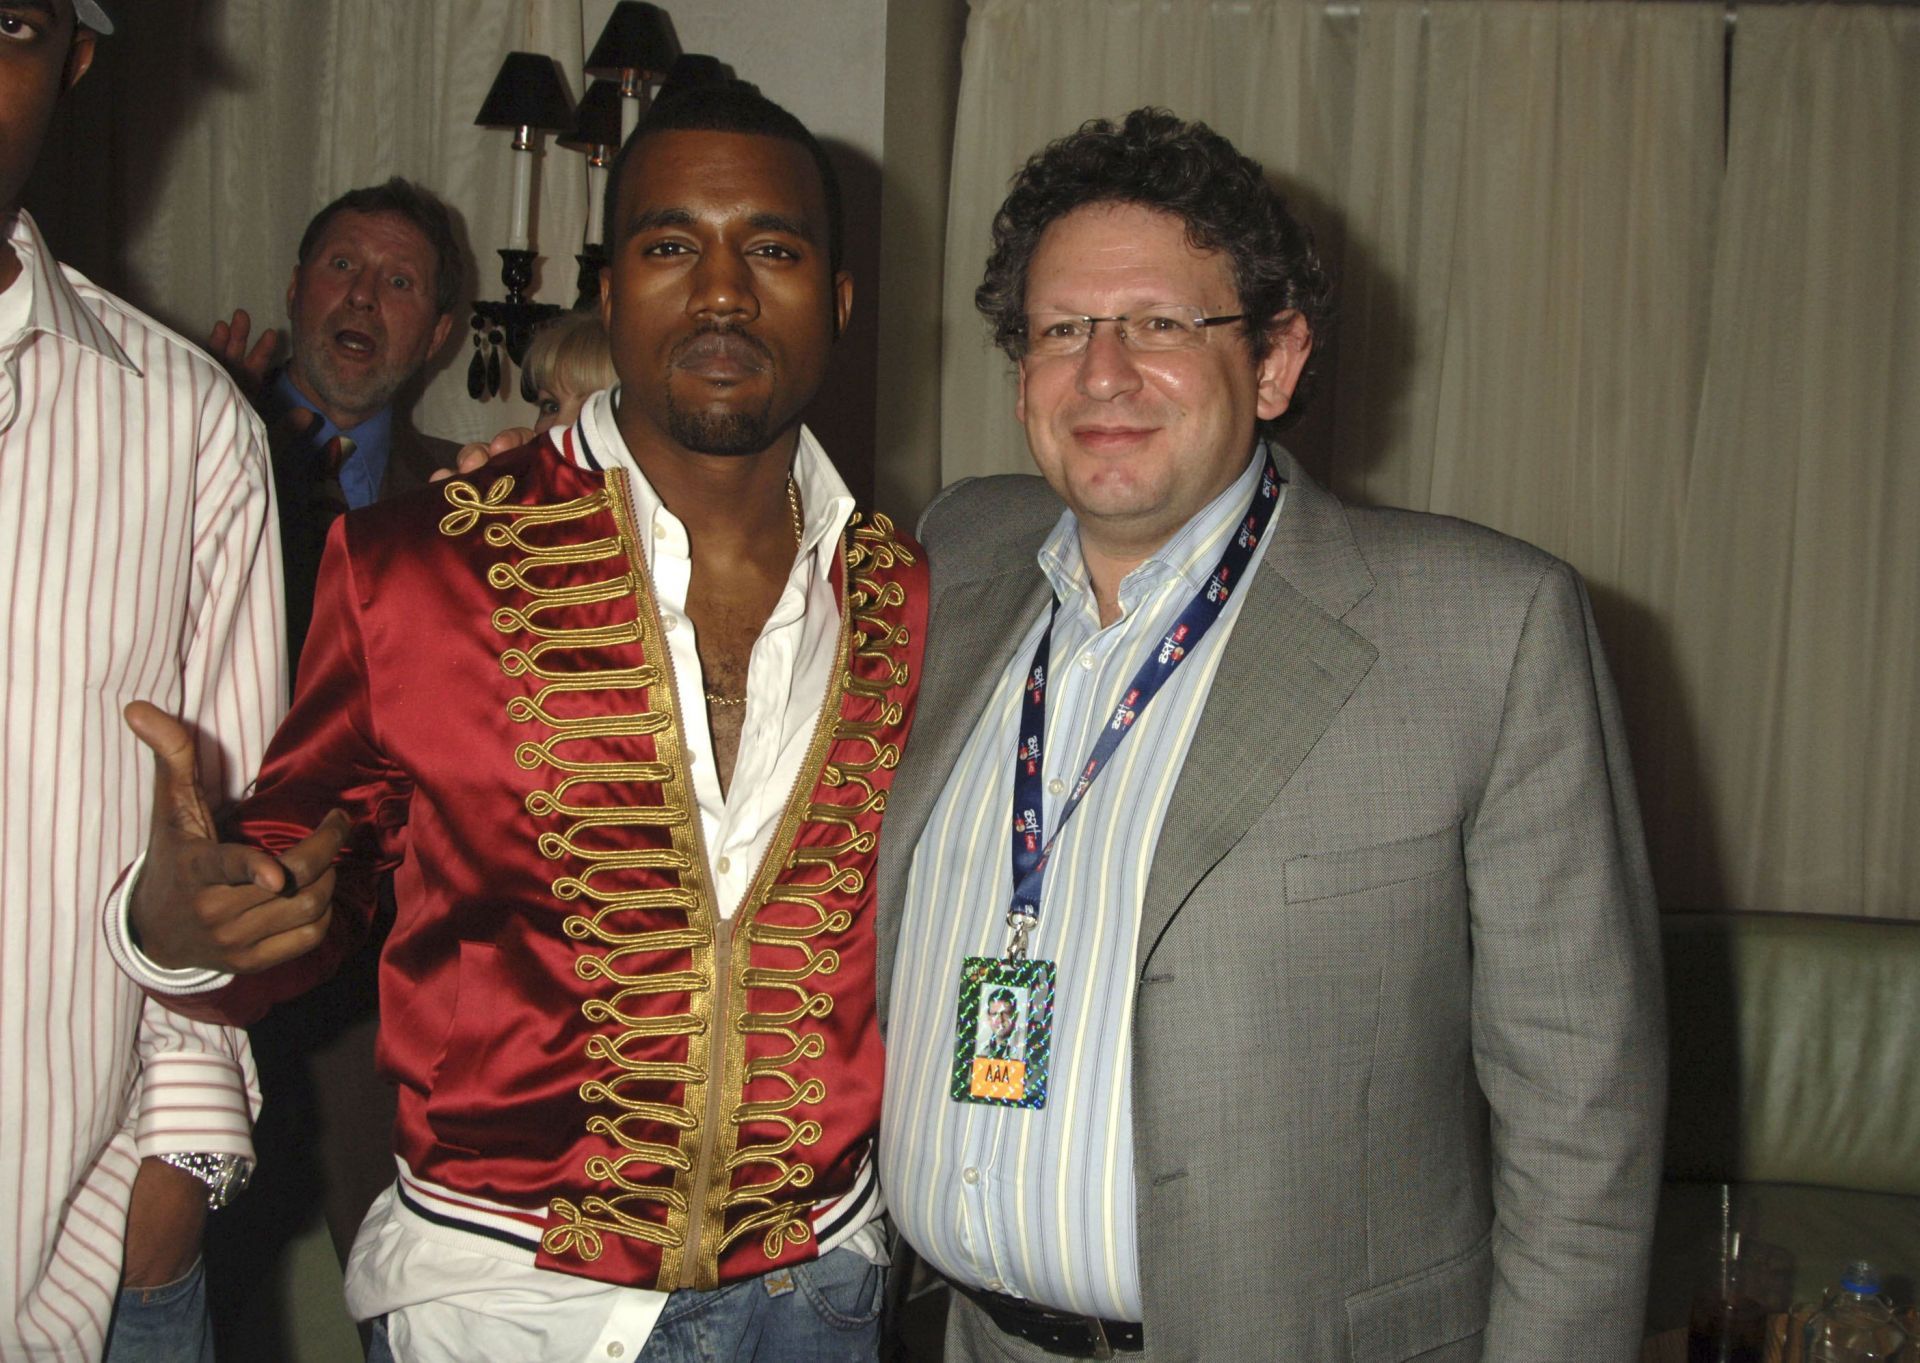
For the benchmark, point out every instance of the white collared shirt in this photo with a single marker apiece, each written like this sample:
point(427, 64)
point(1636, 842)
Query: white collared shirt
point(789, 668)
point(446, 1298)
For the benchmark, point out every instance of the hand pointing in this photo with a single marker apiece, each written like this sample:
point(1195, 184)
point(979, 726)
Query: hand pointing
point(221, 906)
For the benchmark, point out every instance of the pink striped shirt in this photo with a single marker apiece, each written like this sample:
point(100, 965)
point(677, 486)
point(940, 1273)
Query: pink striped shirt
point(138, 560)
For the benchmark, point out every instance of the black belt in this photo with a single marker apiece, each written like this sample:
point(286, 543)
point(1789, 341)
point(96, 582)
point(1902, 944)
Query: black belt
point(1056, 1331)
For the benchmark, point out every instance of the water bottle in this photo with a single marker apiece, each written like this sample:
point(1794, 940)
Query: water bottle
point(1857, 1323)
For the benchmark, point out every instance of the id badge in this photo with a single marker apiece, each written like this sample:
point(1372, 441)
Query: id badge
point(1004, 1033)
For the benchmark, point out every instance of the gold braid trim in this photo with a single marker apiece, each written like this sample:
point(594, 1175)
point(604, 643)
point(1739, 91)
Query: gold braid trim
point(874, 667)
point(599, 868)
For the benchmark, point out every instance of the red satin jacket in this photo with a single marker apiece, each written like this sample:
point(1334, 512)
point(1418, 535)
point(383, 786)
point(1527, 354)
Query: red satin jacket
point(587, 1055)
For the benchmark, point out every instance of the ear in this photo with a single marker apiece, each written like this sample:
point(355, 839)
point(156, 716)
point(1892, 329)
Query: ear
point(1279, 373)
point(79, 57)
point(293, 287)
point(441, 329)
point(606, 298)
point(842, 303)
point(1020, 391)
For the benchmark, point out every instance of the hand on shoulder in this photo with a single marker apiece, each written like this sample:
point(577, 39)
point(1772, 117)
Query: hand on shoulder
point(478, 455)
point(228, 344)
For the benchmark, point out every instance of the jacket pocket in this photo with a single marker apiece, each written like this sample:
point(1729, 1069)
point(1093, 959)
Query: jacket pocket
point(463, 1100)
point(1324, 875)
point(1423, 1311)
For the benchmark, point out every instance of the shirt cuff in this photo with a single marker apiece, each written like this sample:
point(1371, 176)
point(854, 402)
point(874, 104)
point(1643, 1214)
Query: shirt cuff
point(193, 1104)
point(199, 1091)
point(134, 963)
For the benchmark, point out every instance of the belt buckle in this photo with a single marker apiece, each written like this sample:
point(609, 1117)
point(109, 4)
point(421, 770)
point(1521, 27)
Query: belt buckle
point(1100, 1347)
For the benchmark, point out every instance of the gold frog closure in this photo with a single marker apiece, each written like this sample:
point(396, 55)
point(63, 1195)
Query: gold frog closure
point(680, 1170)
point(623, 883)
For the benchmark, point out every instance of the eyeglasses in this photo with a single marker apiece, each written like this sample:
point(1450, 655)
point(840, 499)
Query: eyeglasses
point(1164, 326)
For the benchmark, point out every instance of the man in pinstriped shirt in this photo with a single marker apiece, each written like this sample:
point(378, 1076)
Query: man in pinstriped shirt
point(1346, 1028)
point(136, 560)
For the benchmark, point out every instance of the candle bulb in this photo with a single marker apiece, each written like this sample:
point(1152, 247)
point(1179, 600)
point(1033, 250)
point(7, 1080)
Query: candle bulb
point(596, 194)
point(518, 235)
point(630, 107)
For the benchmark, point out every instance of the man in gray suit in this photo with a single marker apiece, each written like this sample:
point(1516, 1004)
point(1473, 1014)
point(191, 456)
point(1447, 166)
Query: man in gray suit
point(1307, 829)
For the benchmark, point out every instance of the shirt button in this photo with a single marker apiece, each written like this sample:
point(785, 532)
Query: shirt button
point(970, 1174)
point(616, 1349)
point(995, 1285)
point(1086, 661)
point(669, 622)
point(723, 865)
point(659, 533)
point(1055, 786)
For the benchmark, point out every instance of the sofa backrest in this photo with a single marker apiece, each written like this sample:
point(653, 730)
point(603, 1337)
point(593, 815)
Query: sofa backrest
point(1795, 1050)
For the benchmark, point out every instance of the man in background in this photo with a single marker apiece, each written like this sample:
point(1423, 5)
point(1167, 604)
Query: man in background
point(375, 287)
point(138, 559)
point(372, 300)
point(1345, 1032)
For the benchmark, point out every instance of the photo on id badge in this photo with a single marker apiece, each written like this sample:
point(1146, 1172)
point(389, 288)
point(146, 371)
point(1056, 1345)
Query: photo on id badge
point(1000, 1046)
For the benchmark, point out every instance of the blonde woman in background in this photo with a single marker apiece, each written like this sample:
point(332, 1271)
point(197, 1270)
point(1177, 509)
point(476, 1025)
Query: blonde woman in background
point(567, 362)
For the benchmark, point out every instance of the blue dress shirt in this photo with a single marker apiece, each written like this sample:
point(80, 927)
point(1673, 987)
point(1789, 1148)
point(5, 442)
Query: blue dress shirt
point(366, 468)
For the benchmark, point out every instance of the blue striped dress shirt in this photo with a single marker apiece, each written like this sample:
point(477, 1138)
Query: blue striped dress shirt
point(1040, 1204)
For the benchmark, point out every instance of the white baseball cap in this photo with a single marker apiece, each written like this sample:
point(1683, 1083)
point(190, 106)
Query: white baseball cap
point(89, 13)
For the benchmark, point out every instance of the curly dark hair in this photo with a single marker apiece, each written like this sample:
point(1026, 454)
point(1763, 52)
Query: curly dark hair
point(1159, 161)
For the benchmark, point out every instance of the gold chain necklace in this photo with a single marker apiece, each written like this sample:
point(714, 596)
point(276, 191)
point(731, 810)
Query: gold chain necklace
point(799, 526)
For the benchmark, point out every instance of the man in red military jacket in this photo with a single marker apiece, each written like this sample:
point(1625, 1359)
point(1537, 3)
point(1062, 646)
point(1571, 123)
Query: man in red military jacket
point(618, 713)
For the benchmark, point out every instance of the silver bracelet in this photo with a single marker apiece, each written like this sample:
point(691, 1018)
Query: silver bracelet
point(226, 1176)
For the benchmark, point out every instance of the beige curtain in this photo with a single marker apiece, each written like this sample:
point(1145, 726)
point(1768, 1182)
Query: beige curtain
point(210, 133)
point(1569, 312)
point(1796, 610)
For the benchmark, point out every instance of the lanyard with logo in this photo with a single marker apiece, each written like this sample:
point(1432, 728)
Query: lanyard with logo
point(1005, 1020)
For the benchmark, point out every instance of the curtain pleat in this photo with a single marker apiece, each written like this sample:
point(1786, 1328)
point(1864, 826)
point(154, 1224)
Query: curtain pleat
point(1797, 599)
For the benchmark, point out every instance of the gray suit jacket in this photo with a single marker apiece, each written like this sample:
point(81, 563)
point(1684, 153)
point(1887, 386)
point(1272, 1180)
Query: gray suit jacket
point(1398, 1052)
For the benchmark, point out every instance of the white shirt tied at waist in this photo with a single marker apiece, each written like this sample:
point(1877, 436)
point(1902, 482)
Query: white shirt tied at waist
point(450, 1296)
point(1040, 1204)
point(138, 560)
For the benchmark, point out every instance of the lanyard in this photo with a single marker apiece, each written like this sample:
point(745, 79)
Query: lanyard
point(1031, 848)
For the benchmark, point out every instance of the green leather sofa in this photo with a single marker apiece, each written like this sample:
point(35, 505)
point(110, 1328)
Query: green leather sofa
point(1795, 1059)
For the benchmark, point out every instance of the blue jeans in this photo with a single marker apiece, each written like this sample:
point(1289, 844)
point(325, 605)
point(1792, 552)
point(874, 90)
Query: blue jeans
point(166, 1324)
point(823, 1311)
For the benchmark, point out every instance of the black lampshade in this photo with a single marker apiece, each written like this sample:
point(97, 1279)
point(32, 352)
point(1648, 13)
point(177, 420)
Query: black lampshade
point(693, 69)
point(597, 122)
point(529, 92)
point(638, 37)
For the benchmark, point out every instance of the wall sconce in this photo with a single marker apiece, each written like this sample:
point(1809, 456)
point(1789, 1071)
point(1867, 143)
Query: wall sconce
point(529, 97)
point(596, 132)
point(634, 50)
point(635, 56)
